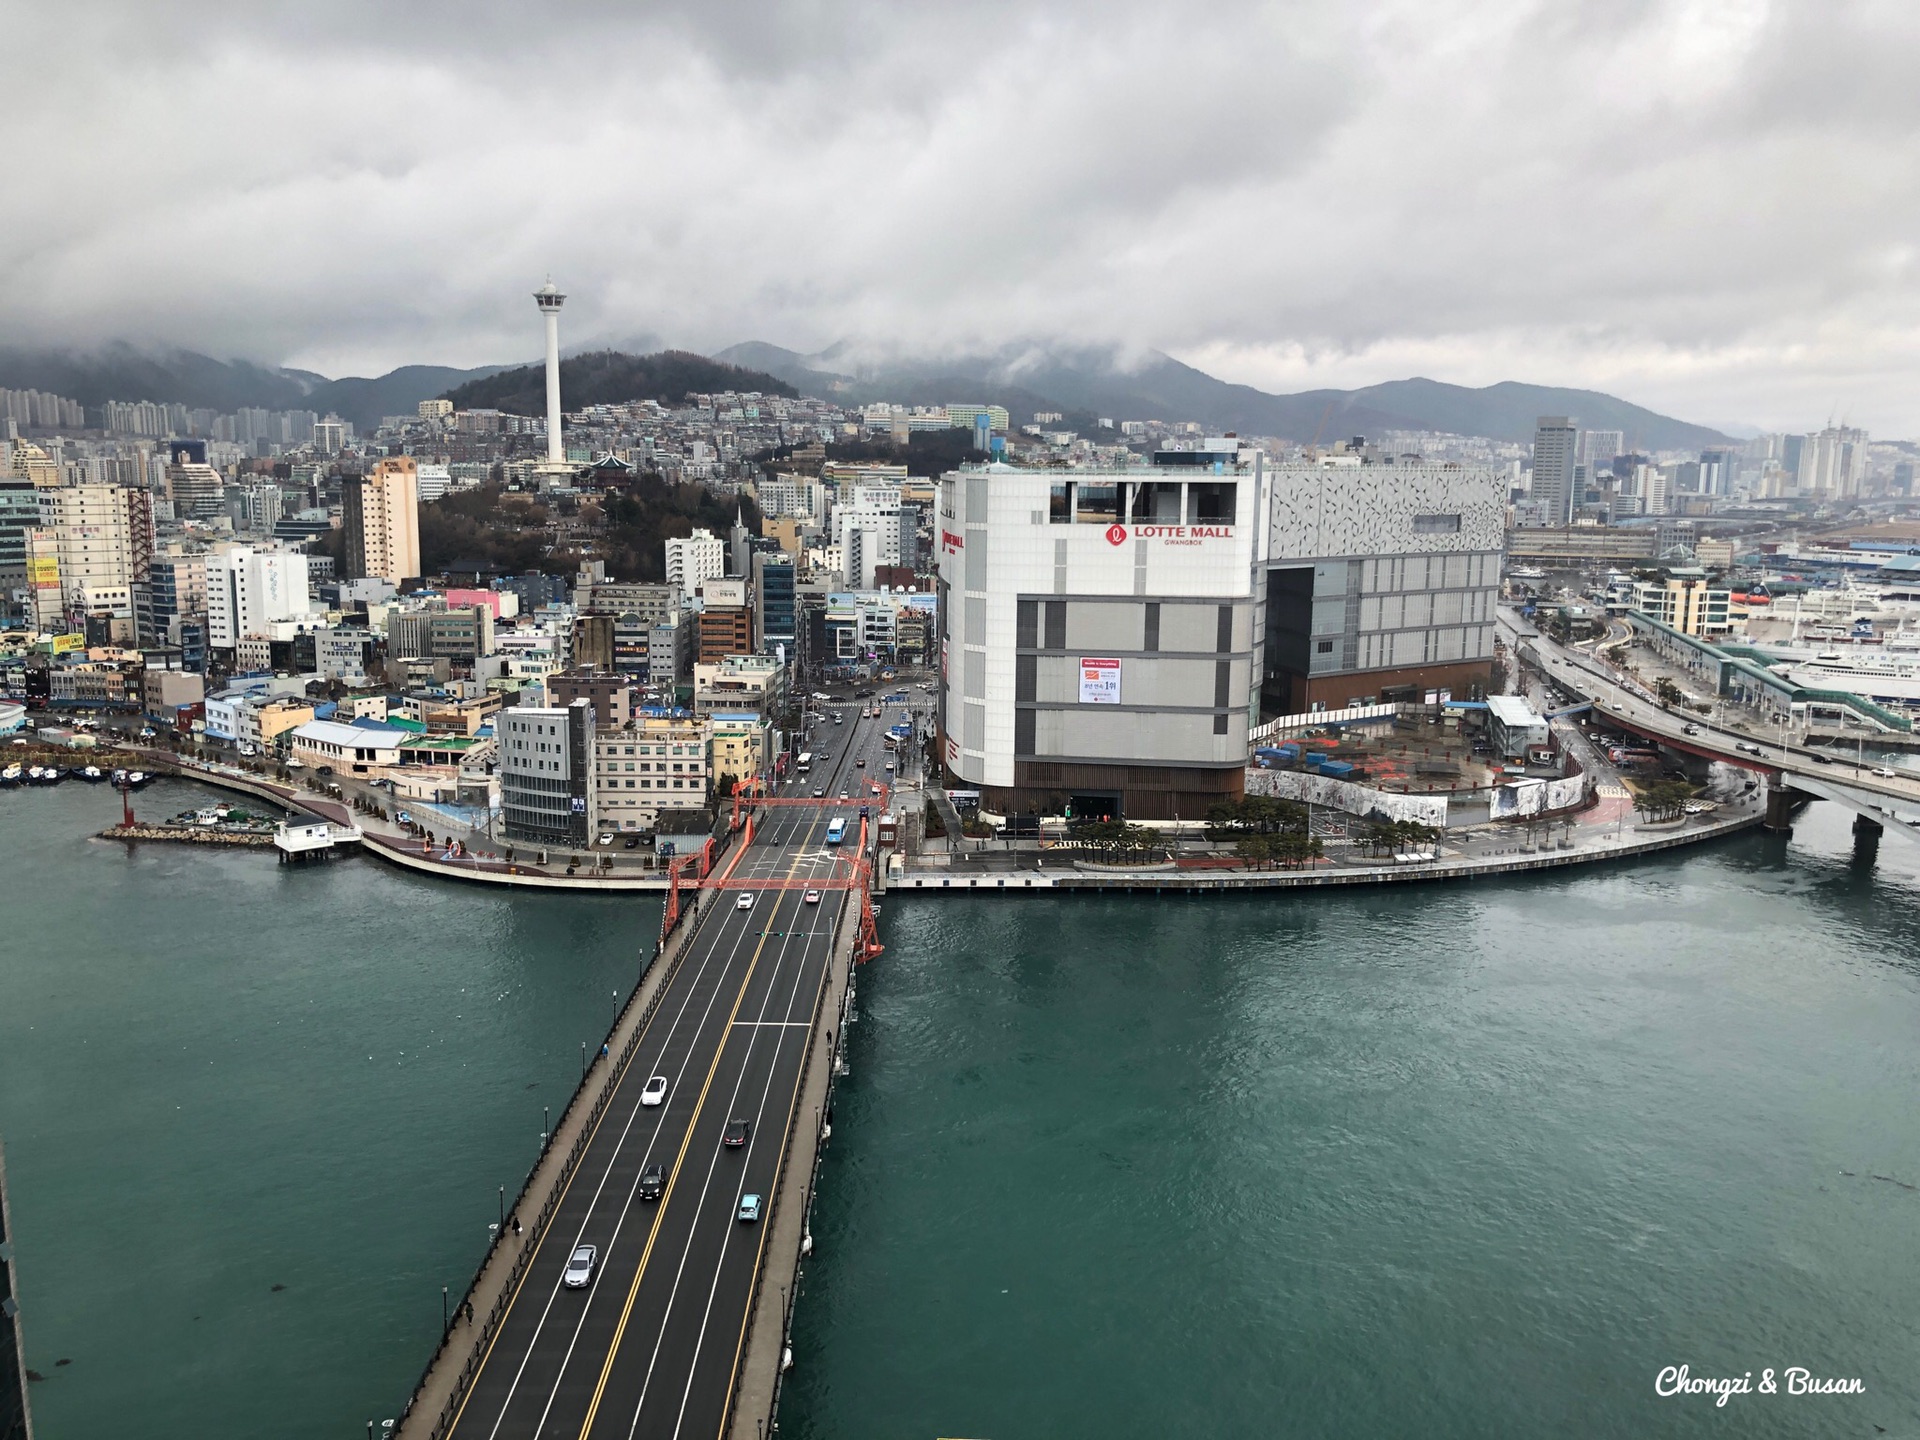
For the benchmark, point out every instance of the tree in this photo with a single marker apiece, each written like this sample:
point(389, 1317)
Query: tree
point(1669, 693)
point(1663, 799)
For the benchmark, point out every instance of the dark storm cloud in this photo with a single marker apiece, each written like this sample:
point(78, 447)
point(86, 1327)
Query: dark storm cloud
point(1707, 205)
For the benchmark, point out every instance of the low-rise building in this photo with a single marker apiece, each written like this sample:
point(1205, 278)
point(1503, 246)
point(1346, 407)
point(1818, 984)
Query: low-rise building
point(347, 749)
point(1514, 725)
point(1687, 602)
point(647, 766)
point(741, 684)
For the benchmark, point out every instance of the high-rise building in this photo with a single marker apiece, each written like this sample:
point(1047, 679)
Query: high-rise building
point(380, 522)
point(873, 529)
point(546, 773)
point(1555, 455)
point(1830, 464)
point(330, 435)
point(694, 559)
point(1598, 447)
point(19, 516)
point(776, 612)
point(196, 489)
point(249, 589)
point(100, 540)
point(176, 587)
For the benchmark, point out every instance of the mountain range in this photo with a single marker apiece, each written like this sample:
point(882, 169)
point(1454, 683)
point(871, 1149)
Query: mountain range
point(1086, 384)
point(1081, 383)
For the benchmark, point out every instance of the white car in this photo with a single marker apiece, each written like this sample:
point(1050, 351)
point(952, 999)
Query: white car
point(580, 1267)
point(812, 897)
point(745, 902)
point(656, 1091)
point(1885, 774)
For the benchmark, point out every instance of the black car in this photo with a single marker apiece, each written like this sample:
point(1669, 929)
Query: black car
point(737, 1132)
point(653, 1182)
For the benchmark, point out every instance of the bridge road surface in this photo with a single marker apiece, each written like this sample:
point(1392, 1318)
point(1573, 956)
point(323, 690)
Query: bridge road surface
point(651, 1349)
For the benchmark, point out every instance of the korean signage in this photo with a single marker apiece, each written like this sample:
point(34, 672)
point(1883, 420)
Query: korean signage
point(1099, 681)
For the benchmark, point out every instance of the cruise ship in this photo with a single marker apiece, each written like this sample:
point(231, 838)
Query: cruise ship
point(1884, 678)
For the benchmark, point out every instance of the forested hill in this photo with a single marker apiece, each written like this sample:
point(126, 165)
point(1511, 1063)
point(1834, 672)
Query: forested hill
point(611, 377)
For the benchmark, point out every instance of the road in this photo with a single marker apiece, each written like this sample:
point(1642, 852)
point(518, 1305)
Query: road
point(1582, 674)
point(652, 1348)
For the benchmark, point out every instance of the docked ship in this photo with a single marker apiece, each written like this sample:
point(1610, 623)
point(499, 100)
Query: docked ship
point(1885, 678)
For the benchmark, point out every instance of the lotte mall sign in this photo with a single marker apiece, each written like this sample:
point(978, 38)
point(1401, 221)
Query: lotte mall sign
point(1170, 534)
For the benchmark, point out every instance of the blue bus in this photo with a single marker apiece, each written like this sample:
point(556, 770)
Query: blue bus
point(837, 831)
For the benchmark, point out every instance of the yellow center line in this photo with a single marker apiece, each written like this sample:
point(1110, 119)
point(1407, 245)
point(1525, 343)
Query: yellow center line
point(534, 1259)
point(659, 1215)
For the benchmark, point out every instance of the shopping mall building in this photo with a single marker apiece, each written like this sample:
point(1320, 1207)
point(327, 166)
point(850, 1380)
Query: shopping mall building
point(1106, 637)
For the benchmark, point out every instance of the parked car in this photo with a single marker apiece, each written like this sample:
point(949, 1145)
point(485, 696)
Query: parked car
point(653, 1182)
point(749, 1209)
point(580, 1267)
point(655, 1092)
point(736, 1134)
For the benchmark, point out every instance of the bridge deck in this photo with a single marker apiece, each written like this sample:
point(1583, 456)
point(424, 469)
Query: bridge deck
point(655, 1346)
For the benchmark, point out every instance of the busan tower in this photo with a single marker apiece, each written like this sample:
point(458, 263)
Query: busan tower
point(549, 299)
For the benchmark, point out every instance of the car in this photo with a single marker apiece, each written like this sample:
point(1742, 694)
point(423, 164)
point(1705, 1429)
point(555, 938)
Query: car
point(633, 842)
point(844, 795)
point(653, 1182)
point(819, 792)
point(149, 733)
point(1690, 730)
point(749, 1209)
point(1820, 759)
point(606, 839)
point(655, 1092)
point(745, 902)
point(873, 789)
point(861, 763)
point(736, 1134)
point(812, 897)
point(890, 767)
point(1884, 773)
point(1746, 747)
point(580, 1267)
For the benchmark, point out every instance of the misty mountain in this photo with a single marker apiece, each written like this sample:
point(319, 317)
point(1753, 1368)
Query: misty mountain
point(182, 377)
point(611, 377)
point(1087, 383)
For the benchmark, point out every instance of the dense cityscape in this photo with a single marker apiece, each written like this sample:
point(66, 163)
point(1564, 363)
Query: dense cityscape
point(862, 723)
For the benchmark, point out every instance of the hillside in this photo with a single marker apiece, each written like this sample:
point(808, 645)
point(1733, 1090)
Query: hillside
point(611, 377)
point(1091, 382)
point(183, 377)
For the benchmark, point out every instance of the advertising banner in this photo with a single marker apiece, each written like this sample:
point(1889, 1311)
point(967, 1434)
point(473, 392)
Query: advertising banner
point(1099, 680)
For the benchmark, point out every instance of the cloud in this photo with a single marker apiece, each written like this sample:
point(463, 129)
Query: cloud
point(1702, 204)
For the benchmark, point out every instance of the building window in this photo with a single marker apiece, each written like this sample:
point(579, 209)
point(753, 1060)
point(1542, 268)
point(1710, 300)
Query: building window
point(1324, 647)
point(1211, 502)
point(1060, 502)
point(1096, 504)
point(1436, 524)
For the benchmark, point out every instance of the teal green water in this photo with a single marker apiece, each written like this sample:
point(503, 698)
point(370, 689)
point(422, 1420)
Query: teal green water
point(1473, 1162)
point(1448, 1162)
point(219, 1076)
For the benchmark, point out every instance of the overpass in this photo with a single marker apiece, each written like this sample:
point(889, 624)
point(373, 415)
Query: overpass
point(1790, 769)
point(679, 1333)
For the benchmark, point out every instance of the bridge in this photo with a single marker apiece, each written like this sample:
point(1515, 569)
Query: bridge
point(683, 1328)
point(1790, 770)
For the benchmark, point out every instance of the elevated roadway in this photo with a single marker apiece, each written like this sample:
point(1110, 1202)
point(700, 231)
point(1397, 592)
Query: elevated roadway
point(654, 1347)
point(1821, 773)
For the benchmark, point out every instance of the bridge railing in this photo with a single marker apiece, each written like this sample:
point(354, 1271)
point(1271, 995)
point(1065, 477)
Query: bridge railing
point(556, 1186)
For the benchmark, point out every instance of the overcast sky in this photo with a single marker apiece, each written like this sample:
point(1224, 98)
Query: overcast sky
point(1708, 206)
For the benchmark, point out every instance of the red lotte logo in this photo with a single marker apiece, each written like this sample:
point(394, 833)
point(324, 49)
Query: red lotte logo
point(1116, 534)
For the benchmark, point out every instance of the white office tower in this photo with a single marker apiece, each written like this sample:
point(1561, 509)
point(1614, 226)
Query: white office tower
point(249, 589)
point(549, 299)
point(694, 559)
point(872, 529)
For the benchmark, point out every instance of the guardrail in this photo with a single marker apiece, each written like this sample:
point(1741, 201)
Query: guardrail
point(841, 939)
point(608, 1082)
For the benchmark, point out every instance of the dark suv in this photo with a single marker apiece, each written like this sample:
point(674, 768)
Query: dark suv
point(653, 1182)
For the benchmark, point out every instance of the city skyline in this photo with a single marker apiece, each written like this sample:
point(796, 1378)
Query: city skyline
point(1332, 199)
